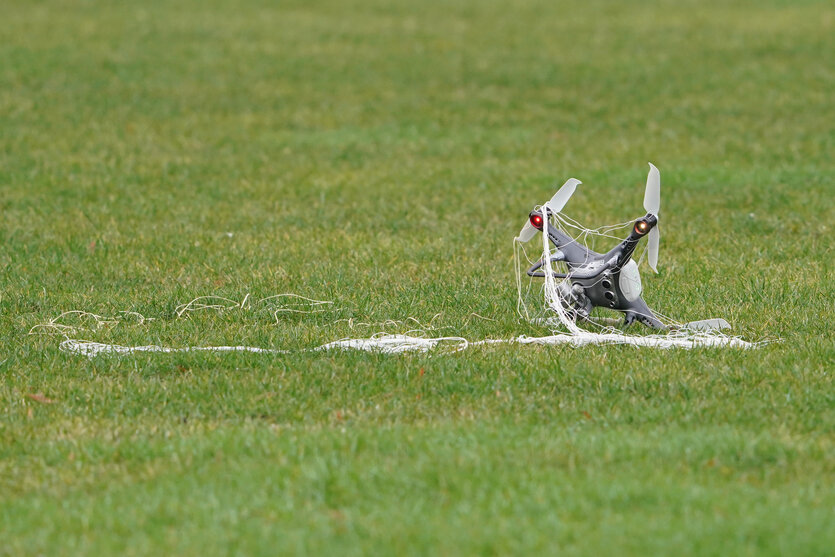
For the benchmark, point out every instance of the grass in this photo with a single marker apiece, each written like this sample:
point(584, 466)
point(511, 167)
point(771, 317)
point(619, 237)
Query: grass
point(154, 153)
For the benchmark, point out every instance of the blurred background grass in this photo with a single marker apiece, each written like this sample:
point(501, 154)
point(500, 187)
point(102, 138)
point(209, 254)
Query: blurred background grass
point(382, 155)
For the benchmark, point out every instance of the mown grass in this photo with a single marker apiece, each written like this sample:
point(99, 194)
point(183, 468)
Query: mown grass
point(382, 156)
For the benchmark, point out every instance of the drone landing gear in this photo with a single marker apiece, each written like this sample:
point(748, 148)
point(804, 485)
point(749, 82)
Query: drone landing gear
point(630, 317)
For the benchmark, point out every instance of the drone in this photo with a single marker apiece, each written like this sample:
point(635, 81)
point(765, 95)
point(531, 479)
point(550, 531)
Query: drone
point(609, 280)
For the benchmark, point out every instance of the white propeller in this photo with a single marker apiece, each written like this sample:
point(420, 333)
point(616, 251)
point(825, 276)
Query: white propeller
point(562, 196)
point(652, 205)
point(555, 205)
point(527, 232)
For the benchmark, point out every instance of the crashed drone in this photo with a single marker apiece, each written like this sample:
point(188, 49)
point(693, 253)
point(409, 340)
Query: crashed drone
point(609, 280)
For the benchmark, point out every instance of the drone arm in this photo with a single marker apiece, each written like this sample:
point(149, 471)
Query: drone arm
point(566, 244)
point(571, 249)
point(624, 250)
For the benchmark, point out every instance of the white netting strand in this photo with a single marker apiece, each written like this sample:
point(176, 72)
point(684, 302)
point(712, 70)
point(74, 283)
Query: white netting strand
point(385, 344)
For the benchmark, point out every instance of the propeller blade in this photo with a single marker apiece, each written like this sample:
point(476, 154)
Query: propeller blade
point(527, 232)
point(715, 324)
point(654, 238)
point(562, 196)
point(555, 205)
point(652, 195)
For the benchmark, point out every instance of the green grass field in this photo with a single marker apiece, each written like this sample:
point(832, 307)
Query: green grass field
point(151, 153)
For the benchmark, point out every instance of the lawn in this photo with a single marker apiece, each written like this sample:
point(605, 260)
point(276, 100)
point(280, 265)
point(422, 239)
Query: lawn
point(381, 156)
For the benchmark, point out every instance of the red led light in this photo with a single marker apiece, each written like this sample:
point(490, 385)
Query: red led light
point(536, 220)
point(641, 227)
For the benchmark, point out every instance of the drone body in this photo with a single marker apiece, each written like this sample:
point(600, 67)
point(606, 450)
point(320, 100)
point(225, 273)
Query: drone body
point(610, 280)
